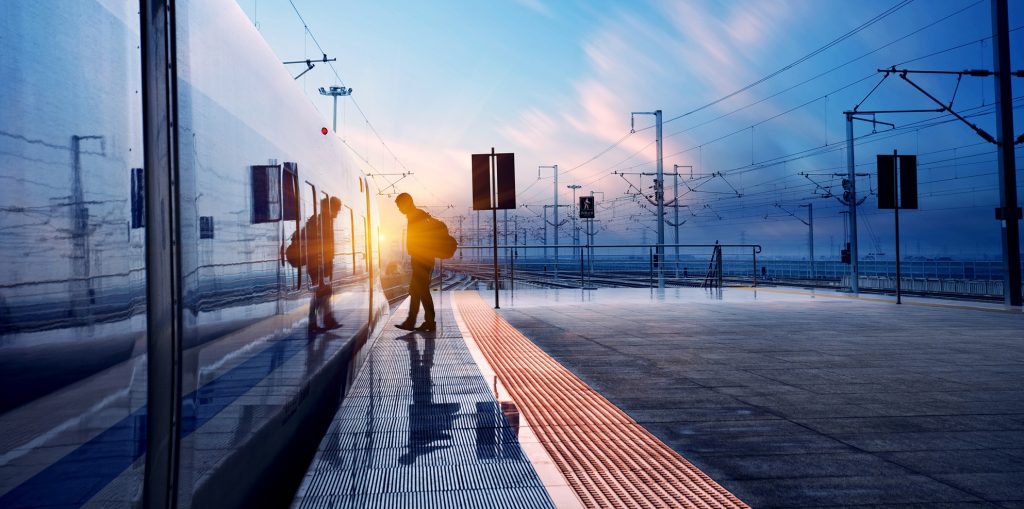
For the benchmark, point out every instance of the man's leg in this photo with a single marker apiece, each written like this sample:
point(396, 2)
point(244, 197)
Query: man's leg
point(326, 313)
point(314, 305)
point(427, 270)
point(428, 300)
point(415, 295)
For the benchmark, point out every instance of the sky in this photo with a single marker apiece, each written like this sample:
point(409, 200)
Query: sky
point(555, 82)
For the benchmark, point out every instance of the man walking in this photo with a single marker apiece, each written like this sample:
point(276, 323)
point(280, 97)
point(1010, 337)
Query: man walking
point(418, 244)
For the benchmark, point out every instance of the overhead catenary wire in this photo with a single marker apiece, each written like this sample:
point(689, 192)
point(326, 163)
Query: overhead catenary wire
point(819, 50)
point(341, 82)
point(804, 82)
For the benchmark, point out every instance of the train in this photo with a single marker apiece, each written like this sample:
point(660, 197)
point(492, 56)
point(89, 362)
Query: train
point(158, 164)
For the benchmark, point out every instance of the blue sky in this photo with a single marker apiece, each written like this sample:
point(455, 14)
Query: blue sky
point(555, 82)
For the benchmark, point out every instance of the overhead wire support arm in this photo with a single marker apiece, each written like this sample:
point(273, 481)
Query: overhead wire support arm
point(787, 211)
point(945, 107)
point(738, 193)
point(391, 183)
point(309, 63)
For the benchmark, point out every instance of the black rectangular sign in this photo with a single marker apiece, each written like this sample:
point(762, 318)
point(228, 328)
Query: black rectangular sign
point(494, 181)
point(482, 181)
point(887, 182)
point(586, 207)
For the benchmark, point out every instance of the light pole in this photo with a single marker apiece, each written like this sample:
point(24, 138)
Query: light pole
point(575, 235)
point(336, 92)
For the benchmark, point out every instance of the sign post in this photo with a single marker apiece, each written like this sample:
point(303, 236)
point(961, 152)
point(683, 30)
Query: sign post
point(897, 188)
point(586, 211)
point(494, 188)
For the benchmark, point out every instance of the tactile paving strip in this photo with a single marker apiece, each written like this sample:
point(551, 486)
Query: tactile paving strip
point(607, 457)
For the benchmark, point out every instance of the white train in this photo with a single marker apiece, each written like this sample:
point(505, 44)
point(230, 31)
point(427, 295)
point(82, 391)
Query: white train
point(156, 159)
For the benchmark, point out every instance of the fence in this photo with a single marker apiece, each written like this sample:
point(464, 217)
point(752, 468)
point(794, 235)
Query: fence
point(638, 265)
point(629, 265)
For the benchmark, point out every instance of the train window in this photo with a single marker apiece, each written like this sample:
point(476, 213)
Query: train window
point(311, 238)
point(326, 236)
point(343, 241)
point(206, 227)
point(266, 194)
point(290, 192)
point(138, 194)
point(290, 226)
point(352, 229)
point(359, 235)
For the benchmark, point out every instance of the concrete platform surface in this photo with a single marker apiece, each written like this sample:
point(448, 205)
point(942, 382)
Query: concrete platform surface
point(791, 399)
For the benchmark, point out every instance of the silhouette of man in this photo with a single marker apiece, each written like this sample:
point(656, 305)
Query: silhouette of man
point(320, 264)
point(417, 244)
point(430, 424)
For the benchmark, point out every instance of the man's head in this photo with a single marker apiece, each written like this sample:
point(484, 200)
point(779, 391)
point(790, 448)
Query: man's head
point(331, 206)
point(335, 206)
point(405, 204)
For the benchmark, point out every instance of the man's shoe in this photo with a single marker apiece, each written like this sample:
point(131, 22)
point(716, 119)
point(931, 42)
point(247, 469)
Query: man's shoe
point(406, 325)
point(330, 323)
point(427, 327)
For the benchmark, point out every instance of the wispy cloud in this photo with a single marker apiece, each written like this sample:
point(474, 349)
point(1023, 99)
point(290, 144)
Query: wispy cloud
point(536, 6)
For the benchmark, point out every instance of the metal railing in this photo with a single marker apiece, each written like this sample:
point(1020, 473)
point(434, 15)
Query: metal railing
point(638, 265)
point(621, 265)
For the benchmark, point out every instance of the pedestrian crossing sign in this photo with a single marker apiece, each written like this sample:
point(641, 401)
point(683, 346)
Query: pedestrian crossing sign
point(586, 207)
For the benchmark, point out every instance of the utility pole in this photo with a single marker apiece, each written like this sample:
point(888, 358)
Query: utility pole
point(336, 92)
point(851, 170)
point(676, 205)
point(545, 207)
point(575, 235)
point(81, 231)
point(659, 192)
point(810, 235)
point(1009, 211)
point(591, 233)
point(555, 223)
point(461, 241)
point(810, 228)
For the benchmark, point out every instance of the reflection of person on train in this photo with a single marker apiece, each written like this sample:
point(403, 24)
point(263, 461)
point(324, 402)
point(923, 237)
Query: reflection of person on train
point(429, 423)
point(422, 265)
point(320, 264)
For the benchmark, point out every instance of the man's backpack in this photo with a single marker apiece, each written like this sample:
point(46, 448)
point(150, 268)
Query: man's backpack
point(292, 253)
point(436, 239)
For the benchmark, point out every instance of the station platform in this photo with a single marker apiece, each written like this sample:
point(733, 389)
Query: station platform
point(475, 415)
point(793, 398)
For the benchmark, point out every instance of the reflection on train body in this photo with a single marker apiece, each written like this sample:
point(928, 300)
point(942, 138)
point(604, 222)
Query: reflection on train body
point(252, 170)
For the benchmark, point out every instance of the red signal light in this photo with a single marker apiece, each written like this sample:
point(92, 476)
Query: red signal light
point(323, 131)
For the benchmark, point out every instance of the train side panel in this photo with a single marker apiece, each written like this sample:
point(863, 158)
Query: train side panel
point(254, 174)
